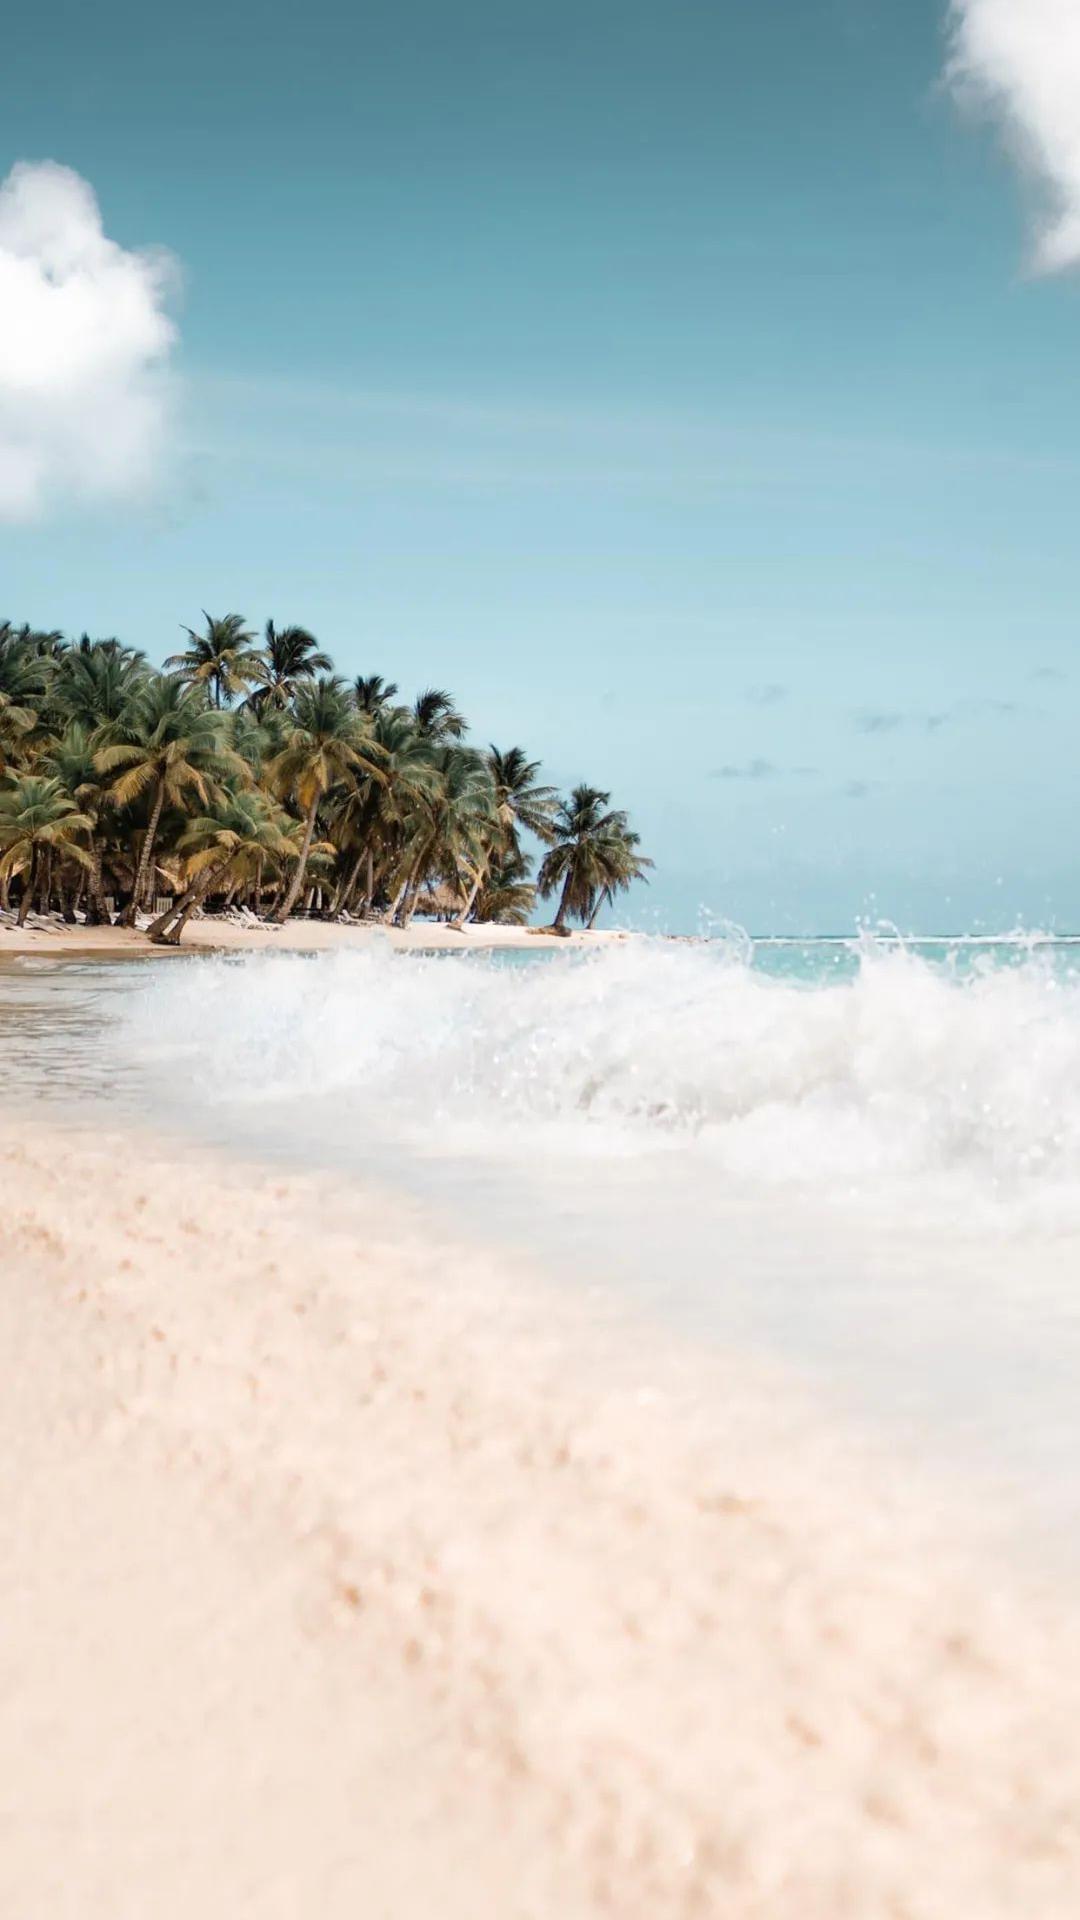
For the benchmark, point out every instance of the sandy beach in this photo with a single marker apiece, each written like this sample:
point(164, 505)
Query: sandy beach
point(212, 933)
point(345, 1569)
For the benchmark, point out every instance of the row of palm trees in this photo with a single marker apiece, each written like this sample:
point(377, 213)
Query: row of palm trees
point(248, 772)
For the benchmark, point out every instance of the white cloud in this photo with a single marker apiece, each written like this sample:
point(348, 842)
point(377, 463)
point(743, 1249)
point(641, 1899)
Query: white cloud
point(84, 341)
point(1021, 60)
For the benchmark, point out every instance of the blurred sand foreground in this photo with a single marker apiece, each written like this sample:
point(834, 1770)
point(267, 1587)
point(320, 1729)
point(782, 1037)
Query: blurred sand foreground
point(342, 1574)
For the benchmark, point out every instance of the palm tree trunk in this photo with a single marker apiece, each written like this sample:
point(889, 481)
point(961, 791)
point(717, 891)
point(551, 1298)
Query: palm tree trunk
point(395, 904)
point(132, 908)
point(459, 924)
point(165, 931)
point(28, 888)
point(282, 912)
point(412, 895)
point(95, 911)
point(564, 904)
point(604, 894)
point(347, 887)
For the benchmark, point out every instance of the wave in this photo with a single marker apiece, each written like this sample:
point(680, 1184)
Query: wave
point(905, 1069)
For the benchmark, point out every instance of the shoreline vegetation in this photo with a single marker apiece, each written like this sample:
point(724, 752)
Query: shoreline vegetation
point(247, 775)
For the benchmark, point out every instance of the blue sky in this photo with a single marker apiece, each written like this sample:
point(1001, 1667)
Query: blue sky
point(667, 380)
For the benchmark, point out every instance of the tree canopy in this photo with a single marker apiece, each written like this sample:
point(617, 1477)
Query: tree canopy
point(252, 773)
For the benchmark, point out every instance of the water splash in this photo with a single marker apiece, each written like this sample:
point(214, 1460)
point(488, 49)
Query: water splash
point(903, 1068)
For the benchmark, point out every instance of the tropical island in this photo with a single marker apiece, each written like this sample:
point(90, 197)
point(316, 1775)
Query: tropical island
point(248, 776)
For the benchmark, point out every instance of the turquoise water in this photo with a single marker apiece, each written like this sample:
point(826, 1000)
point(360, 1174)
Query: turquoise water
point(833, 958)
point(829, 959)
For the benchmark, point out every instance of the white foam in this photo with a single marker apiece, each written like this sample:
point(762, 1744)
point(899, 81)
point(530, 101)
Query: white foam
point(906, 1070)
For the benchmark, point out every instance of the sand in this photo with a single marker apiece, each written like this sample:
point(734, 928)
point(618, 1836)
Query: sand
point(43, 936)
point(344, 1570)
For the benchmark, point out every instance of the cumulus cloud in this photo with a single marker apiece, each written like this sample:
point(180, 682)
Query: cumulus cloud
point(770, 695)
point(85, 337)
point(1020, 61)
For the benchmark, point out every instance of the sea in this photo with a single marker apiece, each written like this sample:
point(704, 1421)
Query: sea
point(860, 1156)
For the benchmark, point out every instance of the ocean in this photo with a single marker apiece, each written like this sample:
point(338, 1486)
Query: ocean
point(860, 1156)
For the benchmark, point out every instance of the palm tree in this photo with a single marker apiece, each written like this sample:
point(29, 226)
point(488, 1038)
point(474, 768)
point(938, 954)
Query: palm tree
point(520, 802)
point(374, 815)
point(625, 866)
point(451, 829)
point(436, 716)
point(330, 744)
point(588, 854)
point(73, 760)
point(290, 655)
point(507, 894)
point(223, 659)
point(95, 682)
point(230, 843)
point(23, 677)
point(47, 645)
point(371, 692)
point(371, 799)
point(38, 819)
point(169, 745)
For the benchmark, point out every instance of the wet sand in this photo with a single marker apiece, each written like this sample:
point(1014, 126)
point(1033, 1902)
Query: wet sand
point(343, 1569)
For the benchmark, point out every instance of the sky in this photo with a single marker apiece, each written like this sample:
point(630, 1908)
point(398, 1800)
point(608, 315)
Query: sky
point(691, 388)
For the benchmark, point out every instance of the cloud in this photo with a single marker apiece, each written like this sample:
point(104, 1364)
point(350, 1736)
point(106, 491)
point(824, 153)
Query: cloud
point(857, 789)
point(752, 770)
point(761, 770)
point(872, 720)
point(770, 695)
point(1049, 676)
point(84, 340)
point(1019, 60)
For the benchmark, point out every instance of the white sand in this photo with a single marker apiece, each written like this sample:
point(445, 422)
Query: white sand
point(342, 1574)
point(50, 935)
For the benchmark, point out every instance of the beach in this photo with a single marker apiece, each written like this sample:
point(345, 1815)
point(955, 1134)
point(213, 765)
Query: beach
point(348, 1567)
point(217, 934)
point(540, 1338)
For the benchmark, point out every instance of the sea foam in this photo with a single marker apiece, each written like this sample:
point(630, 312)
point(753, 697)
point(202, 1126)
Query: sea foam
point(903, 1069)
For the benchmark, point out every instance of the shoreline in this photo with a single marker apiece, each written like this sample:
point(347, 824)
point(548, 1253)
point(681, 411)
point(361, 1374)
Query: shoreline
point(211, 935)
point(304, 1490)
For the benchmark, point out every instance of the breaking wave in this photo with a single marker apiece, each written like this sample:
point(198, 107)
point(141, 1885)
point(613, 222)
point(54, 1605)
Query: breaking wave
point(906, 1067)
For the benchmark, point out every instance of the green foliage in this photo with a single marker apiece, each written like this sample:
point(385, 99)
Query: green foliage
point(594, 854)
point(223, 659)
point(256, 772)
